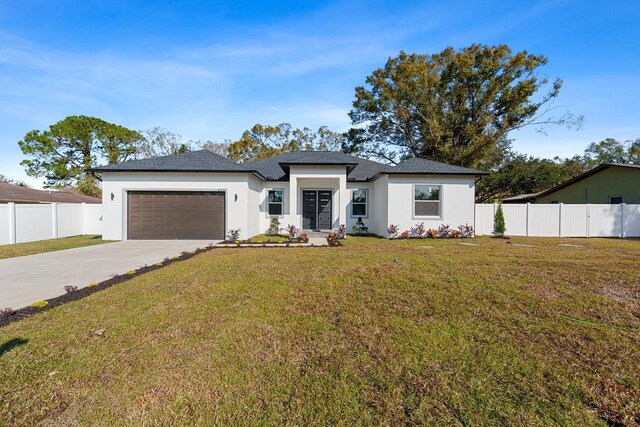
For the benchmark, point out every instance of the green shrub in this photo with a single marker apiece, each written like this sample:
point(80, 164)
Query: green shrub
point(131, 272)
point(92, 285)
point(40, 304)
point(498, 222)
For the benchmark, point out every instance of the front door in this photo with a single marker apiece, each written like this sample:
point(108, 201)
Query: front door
point(316, 209)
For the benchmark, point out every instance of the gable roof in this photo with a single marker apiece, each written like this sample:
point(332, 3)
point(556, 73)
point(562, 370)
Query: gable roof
point(584, 175)
point(192, 161)
point(11, 193)
point(276, 168)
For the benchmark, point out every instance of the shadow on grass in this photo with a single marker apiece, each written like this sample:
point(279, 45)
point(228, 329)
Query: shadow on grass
point(11, 344)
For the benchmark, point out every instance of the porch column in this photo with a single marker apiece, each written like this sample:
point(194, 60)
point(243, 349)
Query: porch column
point(345, 196)
point(293, 201)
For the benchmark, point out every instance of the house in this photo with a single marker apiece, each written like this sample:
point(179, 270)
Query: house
point(605, 184)
point(11, 193)
point(201, 195)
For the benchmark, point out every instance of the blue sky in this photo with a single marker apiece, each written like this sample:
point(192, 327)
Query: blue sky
point(210, 70)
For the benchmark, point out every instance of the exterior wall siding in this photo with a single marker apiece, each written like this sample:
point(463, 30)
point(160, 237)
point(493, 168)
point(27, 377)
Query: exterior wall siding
point(457, 199)
point(118, 183)
point(596, 189)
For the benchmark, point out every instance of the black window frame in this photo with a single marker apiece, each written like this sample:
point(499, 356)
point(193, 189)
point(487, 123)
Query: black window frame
point(280, 203)
point(365, 203)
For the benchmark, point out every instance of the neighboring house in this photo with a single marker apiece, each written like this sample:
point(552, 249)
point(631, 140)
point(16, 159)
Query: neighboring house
point(11, 193)
point(201, 195)
point(605, 184)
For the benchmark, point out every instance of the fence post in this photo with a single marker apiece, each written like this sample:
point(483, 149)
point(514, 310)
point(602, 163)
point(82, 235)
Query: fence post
point(54, 217)
point(588, 220)
point(12, 223)
point(623, 217)
point(560, 219)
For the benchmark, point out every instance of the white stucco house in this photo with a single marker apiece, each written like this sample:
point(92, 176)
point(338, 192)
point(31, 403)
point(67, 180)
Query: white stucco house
point(201, 195)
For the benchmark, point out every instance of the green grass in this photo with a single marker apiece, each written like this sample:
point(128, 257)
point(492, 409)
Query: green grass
point(453, 335)
point(30, 248)
point(263, 238)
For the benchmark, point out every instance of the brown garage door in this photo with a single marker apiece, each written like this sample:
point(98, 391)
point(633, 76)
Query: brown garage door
point(176, 215)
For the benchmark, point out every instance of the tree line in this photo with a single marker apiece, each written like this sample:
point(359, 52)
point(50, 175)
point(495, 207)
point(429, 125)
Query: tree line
point(455, 106)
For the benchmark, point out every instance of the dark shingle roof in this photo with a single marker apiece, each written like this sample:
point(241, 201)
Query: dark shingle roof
point(276, 168)
point(193, 161)
point(419, 166)
point(16, 193)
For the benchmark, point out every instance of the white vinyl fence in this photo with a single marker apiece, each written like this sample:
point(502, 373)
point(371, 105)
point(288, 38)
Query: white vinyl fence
point(29, 222)
point(560, 220)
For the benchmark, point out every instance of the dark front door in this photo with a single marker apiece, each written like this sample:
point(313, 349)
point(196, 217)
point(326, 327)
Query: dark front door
point(309, 209)
point(316, 209)
point(324, 210)
point(176, 215)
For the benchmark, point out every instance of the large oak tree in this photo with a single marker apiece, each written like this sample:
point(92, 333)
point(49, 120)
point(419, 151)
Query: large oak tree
point(262, 141)
point(64, 152)
point(452, 106)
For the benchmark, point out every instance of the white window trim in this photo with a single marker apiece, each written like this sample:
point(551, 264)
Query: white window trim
point(366, 203)
point(275, 203)
point(413, 201)
point(621, 197)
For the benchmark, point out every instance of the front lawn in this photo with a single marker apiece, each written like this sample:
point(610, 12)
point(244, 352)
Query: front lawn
point(30, 248)
point(374, 332)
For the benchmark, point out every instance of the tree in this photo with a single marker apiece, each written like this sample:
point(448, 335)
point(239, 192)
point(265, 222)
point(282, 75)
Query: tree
point(499, 227)
point(220, 148)
point(262, 141)
point(63, 153)
point(453, 106)
point(611, 150)
point(4, 178)
point(161, 142)
point(522, 174)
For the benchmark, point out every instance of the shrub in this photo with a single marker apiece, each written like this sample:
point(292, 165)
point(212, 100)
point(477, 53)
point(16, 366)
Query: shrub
point(342, 231)
point(234, 235)
point(6, 312)
point(498, 223)
point(393, 230)
point(167, 259)
point(332, 239)
point(420, 230)
point(130, 272)
point(359, 227)
point(432, 232)
point(40, 304)
point(466, 230)
point(303, 237)
point(455, 233)
point(184, 253)
point(293, 231)
point(70, 289)
point(444, 231)
point(93, 285)
point(405, 234)
point(274, 227)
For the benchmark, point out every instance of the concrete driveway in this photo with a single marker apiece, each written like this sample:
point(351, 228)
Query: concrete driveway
point(24, 280)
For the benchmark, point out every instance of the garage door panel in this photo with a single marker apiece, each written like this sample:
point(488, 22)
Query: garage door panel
point(176, 215)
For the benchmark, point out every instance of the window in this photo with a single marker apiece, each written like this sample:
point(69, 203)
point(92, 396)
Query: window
point(554, 202)
point(359, 203)
point(426, 200)
point(616, 200)
point(274, 202)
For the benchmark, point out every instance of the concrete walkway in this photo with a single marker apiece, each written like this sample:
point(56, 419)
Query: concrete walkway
point(24, 280)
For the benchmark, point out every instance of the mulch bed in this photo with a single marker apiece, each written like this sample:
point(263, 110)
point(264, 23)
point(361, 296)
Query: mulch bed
point(23, 313)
